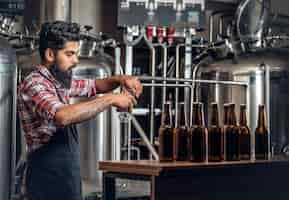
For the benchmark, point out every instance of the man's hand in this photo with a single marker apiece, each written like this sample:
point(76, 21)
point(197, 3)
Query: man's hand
point(132, 85)
point(123, 101)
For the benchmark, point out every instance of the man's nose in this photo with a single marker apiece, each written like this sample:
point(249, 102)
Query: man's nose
point(76, 59)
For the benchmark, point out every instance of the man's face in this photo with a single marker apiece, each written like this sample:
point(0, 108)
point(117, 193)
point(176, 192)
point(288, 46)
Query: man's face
point(67, 58)
point(62, 63)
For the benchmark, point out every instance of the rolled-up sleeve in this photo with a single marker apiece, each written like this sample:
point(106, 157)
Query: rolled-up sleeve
point(44, 99)
point(83, 88)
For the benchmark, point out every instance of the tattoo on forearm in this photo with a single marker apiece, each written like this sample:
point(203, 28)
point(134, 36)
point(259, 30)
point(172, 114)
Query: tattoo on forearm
point(88, 110)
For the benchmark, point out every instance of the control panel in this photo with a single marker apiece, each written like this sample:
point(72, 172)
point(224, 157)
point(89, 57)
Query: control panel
point(174, 13)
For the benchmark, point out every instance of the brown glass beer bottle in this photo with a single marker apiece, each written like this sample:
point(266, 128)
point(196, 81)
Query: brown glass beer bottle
point(181, 135)
point(232, 136)
point(245, 136)
point(198, 135)
point(166, 134)
point(261, 136)
point(215, 136)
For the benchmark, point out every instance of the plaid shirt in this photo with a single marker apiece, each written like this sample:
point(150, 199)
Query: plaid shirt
point(40, 95)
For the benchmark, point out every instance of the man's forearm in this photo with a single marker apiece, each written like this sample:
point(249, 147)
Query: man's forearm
point(80, 112)
point(108, 84)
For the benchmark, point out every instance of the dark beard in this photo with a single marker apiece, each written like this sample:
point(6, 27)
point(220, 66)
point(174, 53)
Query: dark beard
point(62, 77)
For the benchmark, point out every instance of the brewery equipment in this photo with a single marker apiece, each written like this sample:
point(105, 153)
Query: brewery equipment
point(8, 71)
point(265, 69)
point(95, 134)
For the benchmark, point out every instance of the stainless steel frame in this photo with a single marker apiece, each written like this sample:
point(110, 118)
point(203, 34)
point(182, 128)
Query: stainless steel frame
point(187, 83)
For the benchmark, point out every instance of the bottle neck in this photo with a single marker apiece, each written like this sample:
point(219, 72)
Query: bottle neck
point(197, 119)
point(232, 115)
point(182, 122)
point(243, 115)
point(215, 115)
point(261, 116)
point(167, 115)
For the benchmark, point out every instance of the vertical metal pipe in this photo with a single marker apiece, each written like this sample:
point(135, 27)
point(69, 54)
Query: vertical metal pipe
point(115, 122)
point(177, 76)
point(13, 136)
point(211, 28)
point(152, 102)
point(267, 100)
point(67, 10)
point(165, 66)
point(128, 71)
point(188, 69)
point(152, 107)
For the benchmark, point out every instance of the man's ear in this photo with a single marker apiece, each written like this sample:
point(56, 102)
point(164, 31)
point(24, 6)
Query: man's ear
point(49, 55)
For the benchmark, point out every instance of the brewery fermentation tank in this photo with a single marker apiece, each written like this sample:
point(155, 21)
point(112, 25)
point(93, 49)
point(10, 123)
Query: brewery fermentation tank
point(266, 70)
point(94, 135)
point(8, 72)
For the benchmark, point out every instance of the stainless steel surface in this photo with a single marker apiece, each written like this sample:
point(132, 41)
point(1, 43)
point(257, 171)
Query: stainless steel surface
point(52, 10)
point(8, 71)
point(251, 68)
point(128, 71)
point(165, 66)
point(225, 82)
point(177, 76)
point(26, 61)
point(252, 20)
point(152, 100)
point(115, 122)
point(188, 71)
point(95, 134)
point(166, 85)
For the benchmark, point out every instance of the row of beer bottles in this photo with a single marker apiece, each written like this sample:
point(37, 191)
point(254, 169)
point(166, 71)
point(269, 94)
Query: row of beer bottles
point(197, 143)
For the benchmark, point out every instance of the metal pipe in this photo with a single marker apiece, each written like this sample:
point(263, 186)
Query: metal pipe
point(67, 10)
point(144, 137)
point(149, 78)
point(267, 100)
point(153, 73)
point(115, 126)
point(165, 65)
point(221, 22)
point(177, 82)
point(211, 23)
point(188, 70)
point(128, 71)
point(13, 136)
point(166, 85)
point(211, 28)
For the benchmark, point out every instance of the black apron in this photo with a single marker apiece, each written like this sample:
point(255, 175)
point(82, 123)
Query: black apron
point(53, 171)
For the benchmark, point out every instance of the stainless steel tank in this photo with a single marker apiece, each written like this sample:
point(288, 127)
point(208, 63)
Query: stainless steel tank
point(26, 62)
point(8, 72)
point(95, 137)
point(271, 89)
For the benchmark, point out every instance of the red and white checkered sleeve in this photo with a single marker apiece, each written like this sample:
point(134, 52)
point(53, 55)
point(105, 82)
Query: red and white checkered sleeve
point(83, 88)
point(42, 98)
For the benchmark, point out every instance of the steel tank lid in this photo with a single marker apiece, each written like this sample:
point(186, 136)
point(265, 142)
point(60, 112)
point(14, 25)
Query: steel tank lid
point(276, 58)
point(7, 57)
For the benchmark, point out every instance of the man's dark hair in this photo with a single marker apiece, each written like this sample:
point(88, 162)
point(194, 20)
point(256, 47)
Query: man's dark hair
point(54, 35)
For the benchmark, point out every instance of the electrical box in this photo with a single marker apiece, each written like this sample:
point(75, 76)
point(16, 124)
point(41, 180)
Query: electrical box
point(175, 13)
